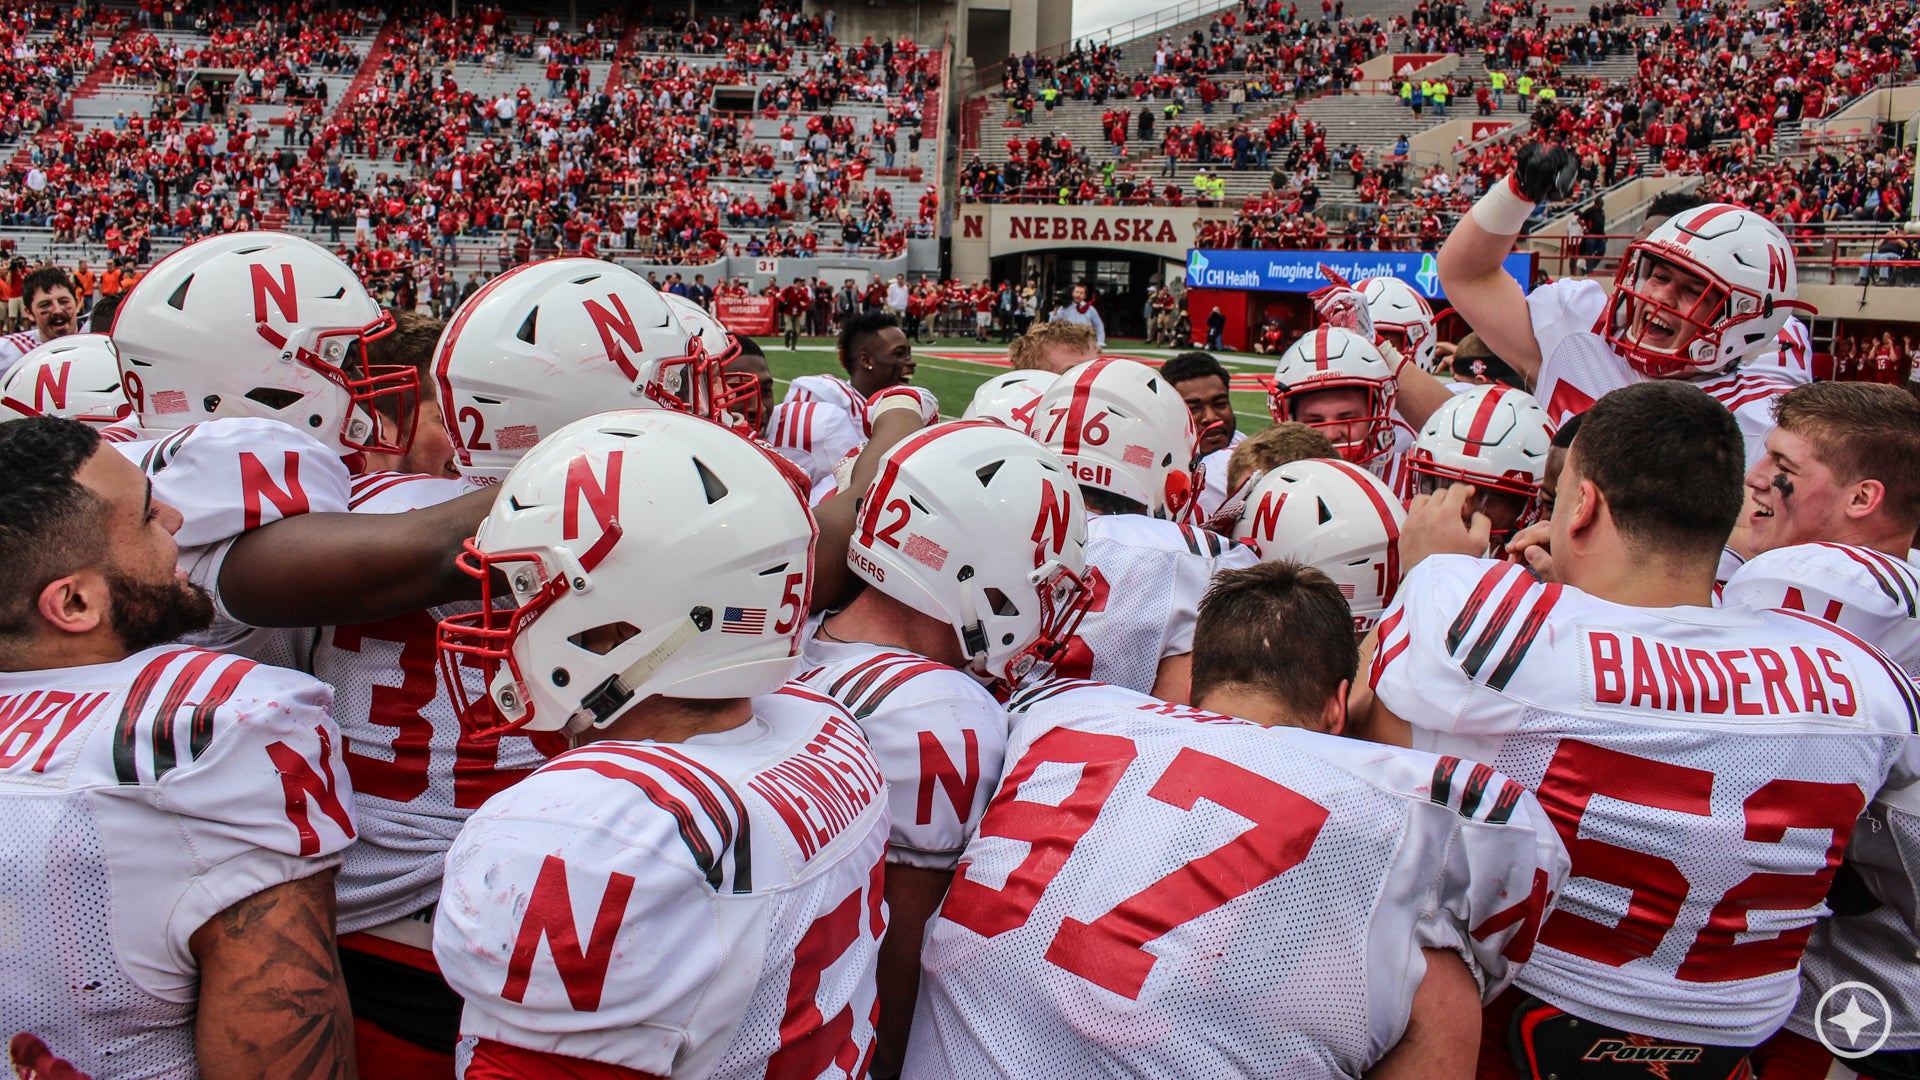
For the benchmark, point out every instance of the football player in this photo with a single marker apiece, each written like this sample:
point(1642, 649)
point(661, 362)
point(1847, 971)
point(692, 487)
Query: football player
point(173, 816)
point(76, 376)
point(1705, 291)
point(1230, 889)
point(1202, 383)
point(1055, 346)
point(1703, 765)
point(244, 358)
point(875, 354)
point(972, 544)
point(1835, 503)
point(721, 830)
point(1128, 440)
point(1495, 438)
point(1332, 515)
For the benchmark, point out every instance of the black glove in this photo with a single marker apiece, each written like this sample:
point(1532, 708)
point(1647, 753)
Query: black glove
point(1545, 172)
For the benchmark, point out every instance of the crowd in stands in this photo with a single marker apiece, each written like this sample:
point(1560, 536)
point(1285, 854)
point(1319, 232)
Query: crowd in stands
point(1713, 85)
point(618, 148)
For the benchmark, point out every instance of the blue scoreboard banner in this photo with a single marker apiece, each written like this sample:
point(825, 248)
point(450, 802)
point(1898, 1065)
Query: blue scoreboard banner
point(1299, 271)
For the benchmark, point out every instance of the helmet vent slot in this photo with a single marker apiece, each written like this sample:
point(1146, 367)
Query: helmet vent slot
point(273, 397)
point(918, 505)
point(1326, 514)
point(527, 326)
point(338, 294)
point(603, 639)
point(178, 301)
point(715, 489)
point(590, 278)
point(986, 472)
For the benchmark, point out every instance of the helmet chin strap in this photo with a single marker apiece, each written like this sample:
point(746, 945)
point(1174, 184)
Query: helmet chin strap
point(973, 634)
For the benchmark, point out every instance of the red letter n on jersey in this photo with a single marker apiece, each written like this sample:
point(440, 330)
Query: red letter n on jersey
point(550, 915)
point(303, 783)
point(257, 484)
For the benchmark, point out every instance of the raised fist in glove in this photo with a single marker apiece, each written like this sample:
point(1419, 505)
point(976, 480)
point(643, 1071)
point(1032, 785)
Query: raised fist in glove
point(1544, 172)
point(1340, 304)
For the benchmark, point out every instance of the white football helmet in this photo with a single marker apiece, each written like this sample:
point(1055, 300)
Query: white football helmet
point(1121, 428)
point(734, 392)
point(76, 376)
point(1749, 288)
point(984, 529)
point(262, 324)
point(1009, 399)
point(1336, 517)
point(1493, 437)
point(646, 552)
point(550, 342)
point(1403, 317)
point(1330, 358)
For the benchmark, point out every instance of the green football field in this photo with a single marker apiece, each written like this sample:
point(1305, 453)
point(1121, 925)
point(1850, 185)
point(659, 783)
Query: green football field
point(953, 371)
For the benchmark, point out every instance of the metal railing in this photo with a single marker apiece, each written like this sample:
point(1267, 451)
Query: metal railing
point(1118, 33)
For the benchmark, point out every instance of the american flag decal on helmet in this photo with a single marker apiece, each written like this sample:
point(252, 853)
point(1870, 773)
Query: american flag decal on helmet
point(738, 620)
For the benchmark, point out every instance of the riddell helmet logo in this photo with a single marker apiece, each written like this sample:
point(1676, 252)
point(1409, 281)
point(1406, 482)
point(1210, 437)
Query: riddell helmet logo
point(1097, 475)
point(1656, 1056)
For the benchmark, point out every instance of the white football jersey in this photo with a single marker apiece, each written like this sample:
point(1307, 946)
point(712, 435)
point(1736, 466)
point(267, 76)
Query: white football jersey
point(1169, 892)
point(1578, 367)
point(416, 773)
point(1213, 478)
point(938, 734)
point(709, 908)
point(1874, 595)
point(1705, 767)
point(139, 800)
point(832, 390)
point(1152, 574)
point(814, 435)
point(1792, 356)
point(228, 477)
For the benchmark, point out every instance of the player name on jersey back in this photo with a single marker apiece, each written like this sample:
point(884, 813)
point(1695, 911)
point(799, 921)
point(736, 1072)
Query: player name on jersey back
point(710, 907)
point(1704, 766)
point(140, 799)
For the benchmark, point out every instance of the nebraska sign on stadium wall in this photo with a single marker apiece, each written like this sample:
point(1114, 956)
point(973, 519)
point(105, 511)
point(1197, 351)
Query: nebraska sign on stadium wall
point(1152, 230)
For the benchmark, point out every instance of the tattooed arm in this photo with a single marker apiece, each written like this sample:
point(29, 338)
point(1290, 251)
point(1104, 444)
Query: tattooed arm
point(272, 1000)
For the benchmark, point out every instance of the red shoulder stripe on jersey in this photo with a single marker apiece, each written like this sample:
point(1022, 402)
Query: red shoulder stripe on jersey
point(1750, 396)
point(1522, 641)
point(1476, 789)
point(372, 484)
point(1482, 591)
point(1047, 691)
point(1384, 653)
point(862, 675)
point(806, 693)
point(200, 726)
point(1502, 811)
point(124, 768)
point(1442, 784)
point(683, 769)
point(1496, 625)
point(899, 678)
point(690, 835)
point(1909, 693)
point(160, 454)
point(805, 432)
point(165, 752)
point(1887, 574)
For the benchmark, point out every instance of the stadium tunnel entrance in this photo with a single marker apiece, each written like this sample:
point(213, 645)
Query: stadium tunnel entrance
point(1123, 281)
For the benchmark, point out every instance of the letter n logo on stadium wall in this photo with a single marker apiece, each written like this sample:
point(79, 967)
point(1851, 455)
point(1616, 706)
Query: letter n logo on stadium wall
point(602, 500)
